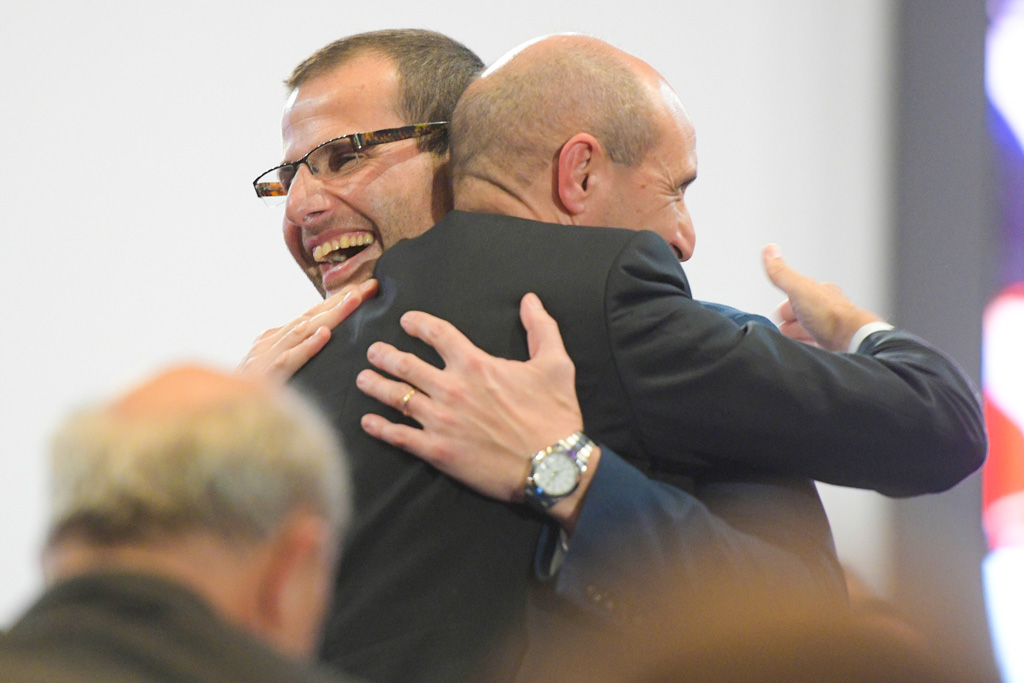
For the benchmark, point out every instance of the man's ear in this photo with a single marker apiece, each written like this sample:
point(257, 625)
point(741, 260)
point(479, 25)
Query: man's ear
point(580, 158)
point(295, 585)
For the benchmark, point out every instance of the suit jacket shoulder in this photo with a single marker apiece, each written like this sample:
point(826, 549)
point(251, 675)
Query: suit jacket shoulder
point(121, 627)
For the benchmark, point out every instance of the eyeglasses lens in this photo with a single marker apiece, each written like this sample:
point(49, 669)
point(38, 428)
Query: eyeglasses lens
point(329, 161)
point(333, 159)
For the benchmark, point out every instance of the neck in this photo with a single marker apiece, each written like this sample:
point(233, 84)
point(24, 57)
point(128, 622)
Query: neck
point(200, 562)
point(480, 195)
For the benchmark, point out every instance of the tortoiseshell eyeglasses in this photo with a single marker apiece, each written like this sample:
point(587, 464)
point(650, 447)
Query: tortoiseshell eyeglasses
point(334, 158)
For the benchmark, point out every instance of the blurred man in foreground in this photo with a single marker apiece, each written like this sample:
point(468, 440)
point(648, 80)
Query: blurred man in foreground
point(194, 528)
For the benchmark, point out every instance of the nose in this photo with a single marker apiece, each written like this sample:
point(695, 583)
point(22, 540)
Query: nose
point(306, 197)
point(687, 233)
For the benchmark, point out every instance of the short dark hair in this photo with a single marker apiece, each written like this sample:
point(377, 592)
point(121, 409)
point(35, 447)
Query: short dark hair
point(433, 71)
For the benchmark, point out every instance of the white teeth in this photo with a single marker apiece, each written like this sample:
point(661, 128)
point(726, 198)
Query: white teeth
point(323, 252)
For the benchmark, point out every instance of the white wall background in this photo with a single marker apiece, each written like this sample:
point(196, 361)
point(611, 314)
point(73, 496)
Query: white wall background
point(129, 135)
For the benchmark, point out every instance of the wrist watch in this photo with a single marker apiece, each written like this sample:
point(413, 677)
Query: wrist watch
point(555, 471)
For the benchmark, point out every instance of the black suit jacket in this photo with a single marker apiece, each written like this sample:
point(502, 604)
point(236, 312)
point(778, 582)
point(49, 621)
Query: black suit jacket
point(435, 573)
point(134, 628)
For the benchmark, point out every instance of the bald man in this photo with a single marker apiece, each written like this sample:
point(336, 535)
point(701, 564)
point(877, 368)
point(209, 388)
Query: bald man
point(565, 134)
point(193, 532)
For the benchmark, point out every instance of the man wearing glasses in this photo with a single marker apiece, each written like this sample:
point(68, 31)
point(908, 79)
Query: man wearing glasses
point(434, 571)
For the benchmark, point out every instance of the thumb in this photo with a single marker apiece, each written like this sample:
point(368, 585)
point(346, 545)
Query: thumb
point(542, 334)
point(778, 271)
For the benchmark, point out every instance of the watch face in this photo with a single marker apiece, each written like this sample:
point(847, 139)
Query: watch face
point(556, 474)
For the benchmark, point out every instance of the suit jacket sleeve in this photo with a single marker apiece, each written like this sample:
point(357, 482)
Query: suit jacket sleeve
point(898, 417)
point(637, 532)
point(637, 538)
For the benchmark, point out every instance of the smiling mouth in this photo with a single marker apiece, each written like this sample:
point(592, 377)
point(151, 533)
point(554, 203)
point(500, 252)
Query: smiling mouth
point(343, 248)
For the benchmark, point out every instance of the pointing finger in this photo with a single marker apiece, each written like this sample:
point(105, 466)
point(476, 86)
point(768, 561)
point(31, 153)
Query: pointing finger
point(779, 272)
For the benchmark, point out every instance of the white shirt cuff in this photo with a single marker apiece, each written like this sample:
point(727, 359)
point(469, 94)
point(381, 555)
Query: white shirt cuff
point(862, 334)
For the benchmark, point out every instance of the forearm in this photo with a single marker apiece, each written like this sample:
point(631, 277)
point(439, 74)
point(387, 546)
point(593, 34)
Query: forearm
point(957, 441)
point(636, 537)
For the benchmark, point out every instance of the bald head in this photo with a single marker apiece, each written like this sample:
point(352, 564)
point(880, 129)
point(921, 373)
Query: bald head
point(568, 129)
point(512, 121)
point(183, 391)
point(193, 449)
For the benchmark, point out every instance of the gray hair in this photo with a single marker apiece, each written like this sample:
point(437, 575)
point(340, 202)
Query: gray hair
point(236, 467)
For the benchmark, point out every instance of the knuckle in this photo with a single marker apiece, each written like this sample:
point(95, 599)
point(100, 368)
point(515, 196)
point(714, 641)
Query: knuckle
point(442, 455)
point(457, 394)
point(402, 364)
point(266, 334)
point(396, 437)
point(565, 364)
point(476, 363)
point(427, 333)
point(298, 329)
point(445, 420)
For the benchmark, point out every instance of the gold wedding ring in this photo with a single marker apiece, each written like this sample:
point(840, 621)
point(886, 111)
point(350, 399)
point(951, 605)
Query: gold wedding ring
point(405, 402)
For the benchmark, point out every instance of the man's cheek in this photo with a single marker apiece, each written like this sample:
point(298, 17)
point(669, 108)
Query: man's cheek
point(293, 240)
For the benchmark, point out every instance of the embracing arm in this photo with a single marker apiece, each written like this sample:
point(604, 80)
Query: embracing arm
point(898, 417)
